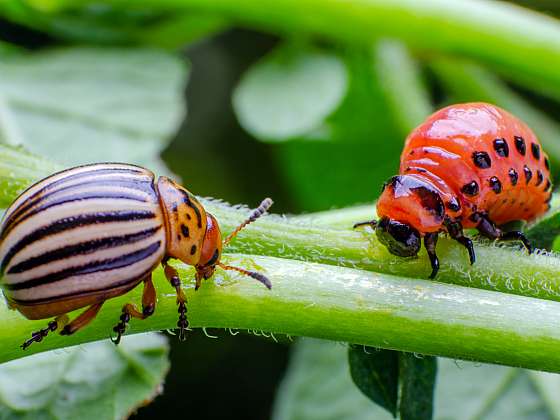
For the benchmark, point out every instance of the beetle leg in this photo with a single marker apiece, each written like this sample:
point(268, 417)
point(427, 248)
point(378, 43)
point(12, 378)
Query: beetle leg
point(82, 320)
point(455, 230)
point(430, 241)
point(488, 229)
point(129, 310)
point(38, 336)
point(175, 281)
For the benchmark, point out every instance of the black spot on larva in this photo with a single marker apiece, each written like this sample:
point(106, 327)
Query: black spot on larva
point(412, 152)
point(513, 176)
point(470, 189)
point(481, 160)
point(495, 184)
point(453, 204)
point(193, 249)
point(540, 178)
point(549, 198)
point(407, 169)
point(536, 151)
point(501, 147)
point(546, 163)
point(528, 174)
point(547, 185)
point(520, 144)
point(185, 231)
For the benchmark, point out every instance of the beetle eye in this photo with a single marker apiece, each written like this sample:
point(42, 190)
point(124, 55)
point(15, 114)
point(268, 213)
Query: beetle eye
point(400, 239)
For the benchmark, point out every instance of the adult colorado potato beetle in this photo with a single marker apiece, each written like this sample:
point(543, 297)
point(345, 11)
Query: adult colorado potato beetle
point(90, 233)
point(470, 165)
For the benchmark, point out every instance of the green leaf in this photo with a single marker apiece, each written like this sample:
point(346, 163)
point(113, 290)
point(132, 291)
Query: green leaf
point(80, 105)
point(376, 373)
point(93, 381)
point(543, 233)
point(290, 92)
point(318, 385)
point(358, 130)
point(417, 376)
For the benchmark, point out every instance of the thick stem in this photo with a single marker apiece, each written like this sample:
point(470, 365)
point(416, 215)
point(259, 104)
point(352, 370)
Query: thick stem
point(341, 304)
point(500, 268)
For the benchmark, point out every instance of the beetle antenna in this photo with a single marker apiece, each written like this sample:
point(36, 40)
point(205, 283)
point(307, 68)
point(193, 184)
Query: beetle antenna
point(255, 214)
point(372, 223)
point(257, 276)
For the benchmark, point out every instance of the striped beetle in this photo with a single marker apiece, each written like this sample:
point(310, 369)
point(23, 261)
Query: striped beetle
point(94, 232)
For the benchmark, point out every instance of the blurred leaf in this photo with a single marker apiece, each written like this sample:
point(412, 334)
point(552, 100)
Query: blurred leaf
point(92, 381)
point(360, 131)
point(416, 382)
point(290, 92)
point(317, 385)
point(376, 373)
point(80, 105)
point(17, 167)
point(407, 94)
point(543, 233)
point(467, 81)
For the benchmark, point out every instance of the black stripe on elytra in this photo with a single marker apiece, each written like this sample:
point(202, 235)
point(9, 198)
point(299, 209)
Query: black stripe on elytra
point(131, 281)
point(214, 259)
point(91, 195)
point(69, 223)
point(91, 267)
point(85, 174)
point(82, 248)
point(188, 202)
point(122, 182)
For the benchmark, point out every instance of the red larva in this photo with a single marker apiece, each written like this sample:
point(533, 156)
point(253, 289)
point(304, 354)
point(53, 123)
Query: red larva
point(470, 165)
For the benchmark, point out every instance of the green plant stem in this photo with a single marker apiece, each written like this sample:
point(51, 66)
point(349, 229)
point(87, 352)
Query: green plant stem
point(509, 270)
point(342, 304)
point(515, 40)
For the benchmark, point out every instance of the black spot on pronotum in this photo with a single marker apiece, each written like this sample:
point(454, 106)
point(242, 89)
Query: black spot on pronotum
point(520, 145)
point(495, 184)
point(501, 147)
point(536, 151)
point(470, 189)
point(546, 163)
point(430, 200)
point(528, 174)
point(513, 176)
point(453, 204)
point(193, 249)
point(540, 178)
point(481, 160)
point(185, 231)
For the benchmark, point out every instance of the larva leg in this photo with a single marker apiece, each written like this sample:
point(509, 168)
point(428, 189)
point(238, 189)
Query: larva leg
point(129, 310)
point(175, 281)
point(488, 229)
point(455, 230)
point(430, 241)
point(37, 336)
